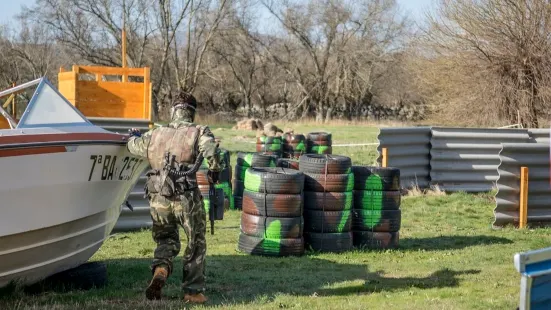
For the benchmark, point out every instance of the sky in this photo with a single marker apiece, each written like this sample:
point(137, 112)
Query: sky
point(9, 8)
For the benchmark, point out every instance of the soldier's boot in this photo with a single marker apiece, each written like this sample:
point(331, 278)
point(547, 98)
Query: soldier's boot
point(153, 291)
point(195, 298)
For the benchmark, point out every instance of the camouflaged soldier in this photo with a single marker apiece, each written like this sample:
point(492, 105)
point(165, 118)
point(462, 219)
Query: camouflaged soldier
point(177, 200)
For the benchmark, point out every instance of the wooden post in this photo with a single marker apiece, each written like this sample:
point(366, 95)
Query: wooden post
point(523, 212)
point(385, 157)
point(14, 105)
point(146, 101)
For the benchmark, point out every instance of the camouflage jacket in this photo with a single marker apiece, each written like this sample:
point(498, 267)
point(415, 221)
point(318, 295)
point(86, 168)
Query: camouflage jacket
point(139, 145)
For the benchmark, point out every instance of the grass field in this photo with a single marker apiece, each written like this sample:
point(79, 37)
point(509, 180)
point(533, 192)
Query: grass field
point(449, 258)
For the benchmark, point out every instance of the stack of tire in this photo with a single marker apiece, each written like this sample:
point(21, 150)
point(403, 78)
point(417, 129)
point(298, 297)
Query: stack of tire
point(328, 198)
point(294, 146)
point(377, 215)
point(271, 221)
point(319, 143)
point(269, 145)
point(223, 182)
point(246, 160)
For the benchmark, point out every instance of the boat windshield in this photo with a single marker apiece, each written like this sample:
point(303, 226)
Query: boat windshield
point(46, 108)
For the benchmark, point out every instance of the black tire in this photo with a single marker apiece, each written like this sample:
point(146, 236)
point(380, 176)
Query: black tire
point(328, 183)
point(319, 149)
point(237, 202)
point(272, 227)
point(294, 139)
point(270, 147)
point(329, 201)
point(239, 172)
point(274, 181)
point(274, 205)
point(270, 247)
point(376, 178)
point(247, 159)
point(376, 221)
point(238, 187)
point(334, 243)
point(328, 221)
point(201, 175)
point(269, 140)
point(319, 137)
point(377, 200)
point(321, 164)
point(84, 277)
point(288, 163)
point(376, 240)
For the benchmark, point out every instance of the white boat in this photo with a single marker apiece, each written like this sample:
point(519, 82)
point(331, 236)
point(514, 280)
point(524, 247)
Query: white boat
point(63, 183)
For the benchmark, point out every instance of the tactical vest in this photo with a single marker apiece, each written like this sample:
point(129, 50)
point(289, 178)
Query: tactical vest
point(182, 147)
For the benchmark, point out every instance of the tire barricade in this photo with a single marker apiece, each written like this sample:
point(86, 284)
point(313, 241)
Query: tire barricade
point(271, 218)
point(319, 143)
point(377, 216)
point(247, 160)
point(328, 198)
point(224, 182)
point(294, 146)
point(270, 145)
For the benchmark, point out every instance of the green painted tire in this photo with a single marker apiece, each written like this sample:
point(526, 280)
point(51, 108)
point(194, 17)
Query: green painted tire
point(274, 180)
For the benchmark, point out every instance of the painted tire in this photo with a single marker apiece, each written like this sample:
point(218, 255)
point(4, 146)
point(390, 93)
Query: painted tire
point(239, 172)
point(238, 187)
point(276, 205)
point(331, 242)
point(270, 247)
point(376, 221)
point(274, 180)
point(321, 164)
point(247, 159)
point(238, 202)
point(224, 154)
point(269, 147)
point(376, 240)
point(376, 178)
point(319, 149)
point(269, 140)
point(272, 227)
point(329, 201)
point(317, 138)
point(334, 182)
point(377, 200)
point(328, 221)
point(288, 163)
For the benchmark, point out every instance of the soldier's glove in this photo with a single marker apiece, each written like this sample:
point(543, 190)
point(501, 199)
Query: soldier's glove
point(134, 132)
point(213, 176)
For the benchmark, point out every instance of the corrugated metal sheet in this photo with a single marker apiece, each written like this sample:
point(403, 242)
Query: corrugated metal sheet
point(513, 156)
point(466, 159)
point(140, 217)
point(539, 135)
point(408, 149)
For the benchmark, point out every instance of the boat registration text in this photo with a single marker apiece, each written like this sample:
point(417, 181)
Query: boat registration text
point(113, 168)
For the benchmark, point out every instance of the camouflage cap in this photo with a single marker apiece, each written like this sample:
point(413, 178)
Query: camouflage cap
point(185, 100)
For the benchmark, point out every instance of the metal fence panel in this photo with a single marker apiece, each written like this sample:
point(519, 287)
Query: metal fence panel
point(408, 149)
point(466, 159)
point(513, 156)
point(140, 217)
point(540, 135)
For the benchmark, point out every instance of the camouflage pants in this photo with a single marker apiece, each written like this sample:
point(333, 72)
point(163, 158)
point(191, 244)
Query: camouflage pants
point(188, 211)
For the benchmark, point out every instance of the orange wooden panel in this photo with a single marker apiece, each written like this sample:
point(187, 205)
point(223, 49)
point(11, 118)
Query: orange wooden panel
point(4, 123)
point(110, 70)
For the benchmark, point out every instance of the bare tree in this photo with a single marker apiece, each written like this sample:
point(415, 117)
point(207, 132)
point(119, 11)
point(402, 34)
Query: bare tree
point(502, 48)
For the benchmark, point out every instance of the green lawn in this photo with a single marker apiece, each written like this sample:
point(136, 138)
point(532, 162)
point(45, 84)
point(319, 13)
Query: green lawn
point(449, 258)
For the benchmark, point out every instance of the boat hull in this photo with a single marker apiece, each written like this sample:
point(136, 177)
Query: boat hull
point(59, 203)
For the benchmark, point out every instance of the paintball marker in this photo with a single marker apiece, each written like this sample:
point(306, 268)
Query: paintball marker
point(216, 201)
